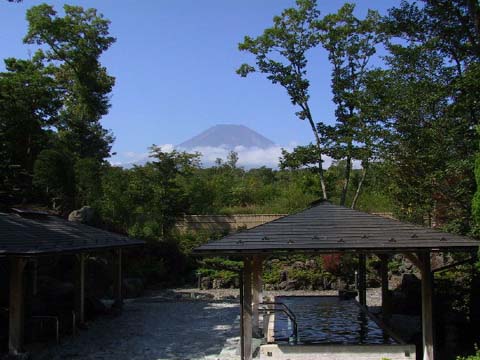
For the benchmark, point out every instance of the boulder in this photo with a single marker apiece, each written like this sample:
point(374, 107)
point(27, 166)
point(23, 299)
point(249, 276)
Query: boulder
point(205, 283)
point(347, 294)
point(373, 281)
point(288, 285)
point(298, 265)
point(218, 284)
point(85, 215)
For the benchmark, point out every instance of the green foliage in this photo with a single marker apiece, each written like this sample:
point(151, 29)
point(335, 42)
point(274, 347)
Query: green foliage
point(476, 197)
point(351, 43)
point(475, 356)
point(436, 61)
point(54, 174)
point(159, 262)
point(55, 101)
point(73, 45)
point(88, 171)
point(29, 102)
point(281, 53)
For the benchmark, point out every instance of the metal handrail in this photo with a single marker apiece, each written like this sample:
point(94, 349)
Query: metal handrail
point(286, 310)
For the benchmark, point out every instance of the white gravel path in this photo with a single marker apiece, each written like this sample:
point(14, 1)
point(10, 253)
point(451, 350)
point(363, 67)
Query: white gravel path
point(157, 331)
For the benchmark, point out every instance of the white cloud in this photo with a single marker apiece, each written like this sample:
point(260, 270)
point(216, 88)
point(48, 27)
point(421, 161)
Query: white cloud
point(247, 157)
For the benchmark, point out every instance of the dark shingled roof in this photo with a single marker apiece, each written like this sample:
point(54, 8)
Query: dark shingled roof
point(36, 234)
point(325, 227)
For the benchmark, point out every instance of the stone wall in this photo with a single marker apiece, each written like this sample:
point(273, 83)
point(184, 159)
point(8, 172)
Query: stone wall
point(223, 222)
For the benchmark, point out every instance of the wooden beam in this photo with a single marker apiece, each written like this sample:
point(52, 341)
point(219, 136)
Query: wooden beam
point(247, 309)
point(471, 260)
point(257, 285)
point(80, 288)
point(16, 306)
point(427, 305)
point(118, 280)
point(362, 279)
point(386, 299)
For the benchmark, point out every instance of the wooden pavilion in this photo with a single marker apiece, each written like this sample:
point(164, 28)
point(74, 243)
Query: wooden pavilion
point(25, 236)
point(326, 228)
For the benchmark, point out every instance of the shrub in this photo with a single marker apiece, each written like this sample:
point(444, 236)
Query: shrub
point(475, 356)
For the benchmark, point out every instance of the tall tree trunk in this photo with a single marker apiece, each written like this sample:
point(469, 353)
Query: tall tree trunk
point(346, 180)
point(319, 148)
point(360, 185)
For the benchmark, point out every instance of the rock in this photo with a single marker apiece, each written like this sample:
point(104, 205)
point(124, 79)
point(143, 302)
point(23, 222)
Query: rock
point(218, 284)
point(205, 283)
point(341, 285)
point(287, 285)
point(283, 275)
point(269, 287)
point(373, 282)
point(347, 294)
point(84, 215)
point(133, 287)
point(327, 284)
point(395, 281)
point(298, 265)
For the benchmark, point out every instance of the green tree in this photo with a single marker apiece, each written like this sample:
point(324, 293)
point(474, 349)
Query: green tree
point(350, 43)
point(74, 43)
point(29, 104)
point(157, 196)
point(88, 172)
point(281, 53)
point(54, 174)
point(437, 59)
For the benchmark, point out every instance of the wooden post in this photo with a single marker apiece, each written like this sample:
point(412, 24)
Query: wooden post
point(242, 347)
point(247, 309)
point(16, 306)
point(257, 268)
point(427, 305)
point(475, 293)
point(362, 279)
point(386, 301)
point(80, 288)
point(118, 292)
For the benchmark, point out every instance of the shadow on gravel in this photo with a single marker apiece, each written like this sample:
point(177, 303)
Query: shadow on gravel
point(156, 331)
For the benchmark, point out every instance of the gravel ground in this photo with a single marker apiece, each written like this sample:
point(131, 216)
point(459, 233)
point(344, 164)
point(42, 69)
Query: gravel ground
point(171, 325)
point(155, 330)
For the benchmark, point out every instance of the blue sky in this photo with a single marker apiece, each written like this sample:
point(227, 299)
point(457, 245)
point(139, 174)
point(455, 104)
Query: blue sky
point(175, 64)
